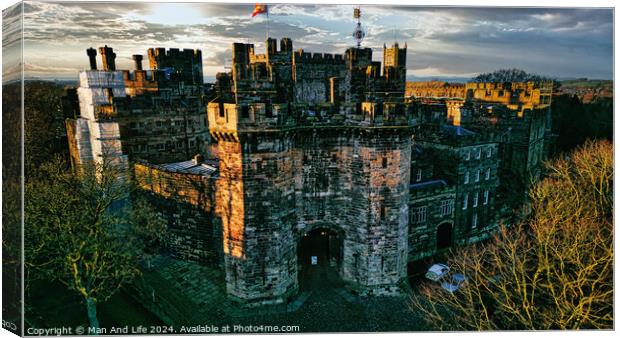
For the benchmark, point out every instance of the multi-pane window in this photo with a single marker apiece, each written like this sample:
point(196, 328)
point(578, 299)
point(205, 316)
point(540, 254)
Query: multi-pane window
point(466, 178)
point(475, 203)
point(465, 199)
point(478, 175)
point(446, 207)
point(486, 197)
point(418, 175)
point(418, 215)
point(474, 220)
point(487, 175)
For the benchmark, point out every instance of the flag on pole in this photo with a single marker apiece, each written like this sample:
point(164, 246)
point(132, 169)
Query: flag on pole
point(260, 9)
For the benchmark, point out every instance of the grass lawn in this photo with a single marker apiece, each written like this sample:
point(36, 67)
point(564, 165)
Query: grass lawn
point(52, 305)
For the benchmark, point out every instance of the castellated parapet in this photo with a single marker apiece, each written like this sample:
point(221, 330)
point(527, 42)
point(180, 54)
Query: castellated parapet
point(186, 63)
point(514, 95)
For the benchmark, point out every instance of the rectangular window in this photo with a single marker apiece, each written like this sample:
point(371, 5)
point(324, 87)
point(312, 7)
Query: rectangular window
point(466, 178)
point(465, 199)
point(478, 151)
point(418, 176)
point(446, 207)
point(486, 197)
point(478, 175)
point(245, 111)
point(418, 215)
point(487, 175)
point(467, 155)
point(383, 212)
point(474, 220)
point(489, 152)
point(384, 162)
point(475, 203)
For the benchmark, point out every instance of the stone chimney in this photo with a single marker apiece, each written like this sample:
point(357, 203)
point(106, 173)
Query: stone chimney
point(108, 56)
point(92, 57)
point(137, 59)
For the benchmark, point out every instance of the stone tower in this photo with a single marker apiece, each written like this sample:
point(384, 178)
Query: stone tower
point(255, 200)
point(332, 156)
point(395, 62)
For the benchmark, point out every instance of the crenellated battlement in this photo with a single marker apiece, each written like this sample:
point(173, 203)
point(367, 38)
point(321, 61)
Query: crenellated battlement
point(300, 57)
point(160, 53)
point(304, 77)
point(232, 118)
point(187, 63)
point(515, 95)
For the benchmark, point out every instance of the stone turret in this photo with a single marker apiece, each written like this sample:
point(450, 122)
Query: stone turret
point(272, 46)
point(395, 62)
point(187, 63)
point(286, 45)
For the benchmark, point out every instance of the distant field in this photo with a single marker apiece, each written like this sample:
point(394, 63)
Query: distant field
point(587, 83)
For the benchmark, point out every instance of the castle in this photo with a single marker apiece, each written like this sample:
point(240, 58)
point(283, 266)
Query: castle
point(289, 144)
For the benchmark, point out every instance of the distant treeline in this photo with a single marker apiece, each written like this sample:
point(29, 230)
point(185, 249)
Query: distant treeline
point(574, 121)
point(510, 75)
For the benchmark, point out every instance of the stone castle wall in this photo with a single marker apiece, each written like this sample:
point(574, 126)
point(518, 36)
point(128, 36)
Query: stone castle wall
point(274, 187)
point(185, 201)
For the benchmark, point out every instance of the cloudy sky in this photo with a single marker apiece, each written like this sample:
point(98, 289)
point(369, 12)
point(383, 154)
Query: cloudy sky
point(442, 41)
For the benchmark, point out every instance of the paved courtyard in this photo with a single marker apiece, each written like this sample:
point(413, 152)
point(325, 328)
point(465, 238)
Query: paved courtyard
point(322, 305)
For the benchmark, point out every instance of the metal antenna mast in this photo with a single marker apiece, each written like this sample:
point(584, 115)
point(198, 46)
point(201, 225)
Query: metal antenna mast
point(358, 33)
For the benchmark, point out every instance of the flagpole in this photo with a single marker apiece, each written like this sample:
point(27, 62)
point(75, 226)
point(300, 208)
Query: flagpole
point(267, 23)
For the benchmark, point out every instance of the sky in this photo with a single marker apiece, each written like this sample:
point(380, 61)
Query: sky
point(442, 41)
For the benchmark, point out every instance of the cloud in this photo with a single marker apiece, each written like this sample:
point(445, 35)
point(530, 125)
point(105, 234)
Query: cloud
point(460, 40)
point(11, 26)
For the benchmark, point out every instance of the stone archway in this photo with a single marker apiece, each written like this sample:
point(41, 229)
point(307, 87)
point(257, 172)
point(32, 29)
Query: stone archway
point(319, 256)
point(444, 236)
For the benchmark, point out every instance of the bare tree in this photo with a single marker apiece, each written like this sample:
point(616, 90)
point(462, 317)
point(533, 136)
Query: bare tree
point(553, 271)
point(78, 231)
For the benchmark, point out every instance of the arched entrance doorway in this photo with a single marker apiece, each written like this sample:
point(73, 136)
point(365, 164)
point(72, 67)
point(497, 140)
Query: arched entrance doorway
point(444, 236)
point(319, 255)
